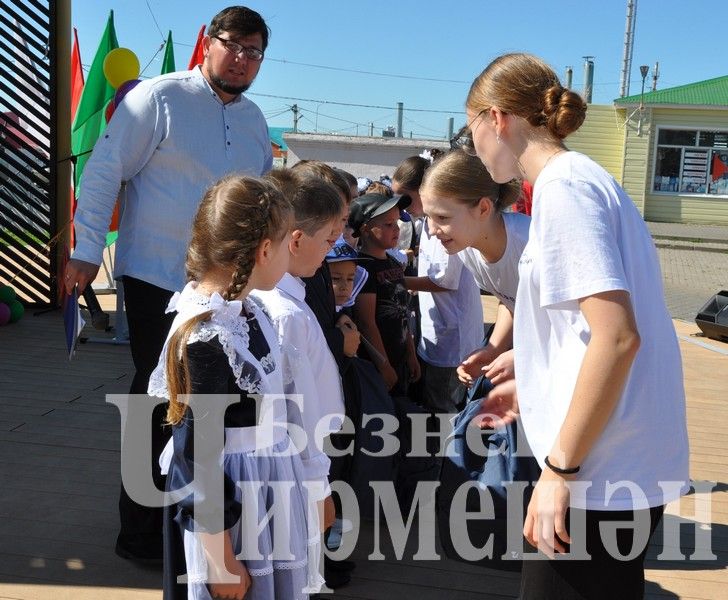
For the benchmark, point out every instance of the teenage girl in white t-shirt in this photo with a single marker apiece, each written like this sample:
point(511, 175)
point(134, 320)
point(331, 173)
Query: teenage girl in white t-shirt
point(464, 208)
point(600, 392)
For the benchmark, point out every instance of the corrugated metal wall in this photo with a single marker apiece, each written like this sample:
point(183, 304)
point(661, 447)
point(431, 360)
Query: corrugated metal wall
point(27, 153)
point(600, 138)
point(636, 131)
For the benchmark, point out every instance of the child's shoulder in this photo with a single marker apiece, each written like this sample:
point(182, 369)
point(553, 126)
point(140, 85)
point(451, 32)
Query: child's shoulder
point(279, 306)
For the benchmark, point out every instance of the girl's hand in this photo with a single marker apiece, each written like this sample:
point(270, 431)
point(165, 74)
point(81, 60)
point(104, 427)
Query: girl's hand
point(499, 407)
point(545, 524)
point(501, 369)
point(470, 368)
point(232, 591)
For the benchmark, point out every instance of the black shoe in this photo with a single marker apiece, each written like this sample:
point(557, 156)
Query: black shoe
point(144, 556)
point(336, 579)
point(344, 566)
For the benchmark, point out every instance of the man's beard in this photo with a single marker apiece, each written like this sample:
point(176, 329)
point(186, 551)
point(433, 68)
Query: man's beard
point(228, 88)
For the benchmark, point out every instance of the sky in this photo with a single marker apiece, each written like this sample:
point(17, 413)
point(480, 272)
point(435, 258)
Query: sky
point(326, 55)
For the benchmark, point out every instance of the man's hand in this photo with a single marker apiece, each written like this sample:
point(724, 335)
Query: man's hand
point(80, 273)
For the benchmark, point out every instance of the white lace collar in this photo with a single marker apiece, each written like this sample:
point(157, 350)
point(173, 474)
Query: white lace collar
point(230, 326)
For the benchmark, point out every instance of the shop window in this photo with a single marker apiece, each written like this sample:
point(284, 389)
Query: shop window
point(691, 162)
point(719, 173)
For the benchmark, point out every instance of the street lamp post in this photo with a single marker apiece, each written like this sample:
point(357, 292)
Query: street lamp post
point(644, 69)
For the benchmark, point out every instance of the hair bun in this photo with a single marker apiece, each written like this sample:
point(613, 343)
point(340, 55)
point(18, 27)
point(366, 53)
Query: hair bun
point(563, 111)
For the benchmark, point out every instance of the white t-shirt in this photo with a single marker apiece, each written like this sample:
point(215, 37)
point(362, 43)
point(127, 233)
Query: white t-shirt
point(500, 278)
point(587, 237)
point(451, 321)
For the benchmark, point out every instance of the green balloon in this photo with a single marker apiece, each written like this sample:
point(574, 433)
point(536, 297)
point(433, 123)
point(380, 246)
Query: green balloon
point(7, 294)
point(16, 311)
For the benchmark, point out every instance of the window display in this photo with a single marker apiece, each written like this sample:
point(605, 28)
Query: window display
point(691, 162)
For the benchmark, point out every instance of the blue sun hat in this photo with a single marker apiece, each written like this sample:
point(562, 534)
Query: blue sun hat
point(342, 251)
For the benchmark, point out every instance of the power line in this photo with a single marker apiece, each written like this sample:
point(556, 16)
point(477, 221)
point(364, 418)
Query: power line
point(152, 59)
point(159, 29)
point(427, 110)
point(329, 116)
point(438, 131)
point(359, 71)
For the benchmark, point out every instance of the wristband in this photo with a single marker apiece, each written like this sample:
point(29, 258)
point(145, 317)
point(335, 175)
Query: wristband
point(559, 470)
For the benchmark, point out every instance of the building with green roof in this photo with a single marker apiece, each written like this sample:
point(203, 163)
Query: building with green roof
point(675, 151)
point(667, 148)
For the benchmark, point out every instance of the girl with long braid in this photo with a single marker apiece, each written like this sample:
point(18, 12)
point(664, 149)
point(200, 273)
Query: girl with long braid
point(221, 342)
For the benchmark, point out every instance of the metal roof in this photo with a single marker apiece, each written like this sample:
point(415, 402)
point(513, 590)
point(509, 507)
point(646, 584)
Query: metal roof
point(711, 92)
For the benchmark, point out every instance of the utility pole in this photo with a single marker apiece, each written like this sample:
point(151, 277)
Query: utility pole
point(400, 109)
point(628, 47)
point(655, 75)
point(294, 108)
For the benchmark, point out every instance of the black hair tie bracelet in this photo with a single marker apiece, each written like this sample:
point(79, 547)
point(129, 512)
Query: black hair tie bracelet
point(559, 470)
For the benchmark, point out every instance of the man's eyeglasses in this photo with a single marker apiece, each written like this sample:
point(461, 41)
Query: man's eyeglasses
point(250, 52)
point(463, 139)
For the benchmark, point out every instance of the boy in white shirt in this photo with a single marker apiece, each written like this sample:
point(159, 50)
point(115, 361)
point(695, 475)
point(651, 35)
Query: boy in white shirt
point(309, 368)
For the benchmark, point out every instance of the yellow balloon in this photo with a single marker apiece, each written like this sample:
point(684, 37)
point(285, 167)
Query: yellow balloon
point(120, 65)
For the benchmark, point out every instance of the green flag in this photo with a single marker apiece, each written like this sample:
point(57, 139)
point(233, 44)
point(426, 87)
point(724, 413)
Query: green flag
point(90, 120)
point(168, 62)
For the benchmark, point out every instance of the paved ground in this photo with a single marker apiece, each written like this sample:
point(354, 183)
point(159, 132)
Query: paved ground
point(694, 260)
point(691, 277)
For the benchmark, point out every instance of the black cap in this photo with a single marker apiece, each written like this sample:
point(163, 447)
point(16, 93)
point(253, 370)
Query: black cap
point(364, 208)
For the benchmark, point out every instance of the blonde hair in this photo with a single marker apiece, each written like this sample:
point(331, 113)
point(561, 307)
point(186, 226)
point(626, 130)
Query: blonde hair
point(463, 177)
point(235, 216)
point(524, 85)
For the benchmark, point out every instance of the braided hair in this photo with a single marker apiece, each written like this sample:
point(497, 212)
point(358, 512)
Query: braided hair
point(235, 216)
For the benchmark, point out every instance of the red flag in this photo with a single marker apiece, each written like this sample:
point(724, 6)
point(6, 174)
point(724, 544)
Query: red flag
point(197, 54)
point(76, 89)
point(76, 75)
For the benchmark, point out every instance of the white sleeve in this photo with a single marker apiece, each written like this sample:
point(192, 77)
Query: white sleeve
point(576, 233)
point(126, 145)
point(296, 357)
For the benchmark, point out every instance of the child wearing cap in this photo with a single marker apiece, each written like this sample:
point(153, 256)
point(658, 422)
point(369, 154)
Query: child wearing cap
point(347, 278)
point(381, 308)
